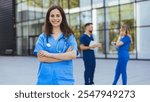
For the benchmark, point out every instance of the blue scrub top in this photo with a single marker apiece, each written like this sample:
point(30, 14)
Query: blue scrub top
point(87, 54)
point(55, 73)
point(123, 51)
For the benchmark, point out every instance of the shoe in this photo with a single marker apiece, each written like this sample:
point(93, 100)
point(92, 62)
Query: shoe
point(91, 83)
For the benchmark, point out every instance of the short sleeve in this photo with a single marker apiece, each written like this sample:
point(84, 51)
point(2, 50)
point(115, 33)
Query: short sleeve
point(39, 44)
point(82, 41)
point(126, 40)
point(72, 42)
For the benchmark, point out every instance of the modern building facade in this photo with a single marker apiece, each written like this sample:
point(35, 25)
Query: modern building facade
point(106, 15)
point(7, 27)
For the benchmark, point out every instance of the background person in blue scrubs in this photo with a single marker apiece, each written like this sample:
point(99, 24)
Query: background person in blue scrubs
point(88, 53)
point(55, 49)
point(123, 44)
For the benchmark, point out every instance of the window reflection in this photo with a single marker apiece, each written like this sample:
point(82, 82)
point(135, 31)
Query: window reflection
point(112, 17)
point(74, 3)
point(46, 4)
point(111, 2)
point(19, 46)
point(85, 4)
point(127, 17)
point(38, 8)
point(18, 1)
point(85, 17)
point(113, 36)
point(31, 10)
point(75, 25)
point(98, 19)
point(24, 11)
point(126, 1)
point(106, 20)
point(127, 14)
point(97, 3)
point(99, 37)
point(64, 4)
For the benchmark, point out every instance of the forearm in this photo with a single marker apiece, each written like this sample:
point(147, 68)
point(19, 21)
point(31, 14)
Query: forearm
point(64, 56)
point(47, 59)
point(84, 47)
point(119, 43)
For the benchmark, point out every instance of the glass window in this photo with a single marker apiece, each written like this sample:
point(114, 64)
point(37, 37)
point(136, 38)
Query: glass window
point(143, 49)
point(85, 4)
point(19, 46)
point(75, 25)
point(31, 30)
point(38, 9)
point(75, 20)
point(24, 11)
point(54, 2)
point(25, 45)
point(99, 37)
point(31, 10)
point(31, 44)
point(18, 1)
point(46, 4)
point(127, 17)
point(142, 16)
point(25, 28)
point(133, 43)
point(140, 0)
point(25, 15)
point(97, 3)
point(35, 27)
point(19, 30)
point(98, 19)
point(18, 13)
point(112, 17)
point(67, 17)
point(74, 3)
point(64, 4)
point(86, 17)
point(127, 14)
point(111, 36)
point(111, 2)
point(126, 1)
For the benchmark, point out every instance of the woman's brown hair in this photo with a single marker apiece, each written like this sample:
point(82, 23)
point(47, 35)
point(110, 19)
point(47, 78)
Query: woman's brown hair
point(48, 28)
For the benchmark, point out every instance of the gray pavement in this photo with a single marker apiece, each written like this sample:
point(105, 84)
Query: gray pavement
point(19, 70)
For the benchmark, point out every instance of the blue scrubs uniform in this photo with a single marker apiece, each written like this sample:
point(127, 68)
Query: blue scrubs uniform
point(55, 73)
point(89, 60)
point(123, 57)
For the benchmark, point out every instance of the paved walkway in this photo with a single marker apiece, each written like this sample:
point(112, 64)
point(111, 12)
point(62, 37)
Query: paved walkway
point(18, 70)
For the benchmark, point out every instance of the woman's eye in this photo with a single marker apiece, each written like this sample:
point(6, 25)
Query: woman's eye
point(52, 15)
point(58, 15)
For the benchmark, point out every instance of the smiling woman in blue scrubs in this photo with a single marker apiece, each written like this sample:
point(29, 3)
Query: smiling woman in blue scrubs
point(123, 44)
point(55, 49)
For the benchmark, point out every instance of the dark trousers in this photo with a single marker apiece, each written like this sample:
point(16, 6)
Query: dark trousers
point(89, 71)
point(121, 69)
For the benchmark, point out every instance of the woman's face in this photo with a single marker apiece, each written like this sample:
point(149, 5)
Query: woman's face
point(55, 18)
point(122, 32)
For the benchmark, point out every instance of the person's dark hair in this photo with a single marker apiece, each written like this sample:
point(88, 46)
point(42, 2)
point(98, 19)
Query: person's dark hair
point(87, 24)
point(63, 26)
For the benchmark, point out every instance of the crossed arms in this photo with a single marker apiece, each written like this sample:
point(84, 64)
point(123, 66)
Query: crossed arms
point(44, 56)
